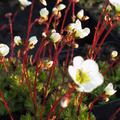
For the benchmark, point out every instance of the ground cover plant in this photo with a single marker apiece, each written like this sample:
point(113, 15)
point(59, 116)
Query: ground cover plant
point(53, 83)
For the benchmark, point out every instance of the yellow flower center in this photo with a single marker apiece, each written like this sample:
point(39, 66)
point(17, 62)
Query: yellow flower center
point(82, 77)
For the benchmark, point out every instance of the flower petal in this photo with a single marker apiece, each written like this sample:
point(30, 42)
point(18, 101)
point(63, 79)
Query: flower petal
point(77, 61)
point(80, 14)
point(78, 25)
point(82, 33)
point(61, 7)
point(72, 72)
point(90, 66)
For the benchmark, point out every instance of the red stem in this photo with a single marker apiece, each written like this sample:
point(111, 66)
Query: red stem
point(66, 12)
point(96, 38)
point(116, 112)
point(12, 39)
point(52, 110)
point(102, 41)
point(5, 104)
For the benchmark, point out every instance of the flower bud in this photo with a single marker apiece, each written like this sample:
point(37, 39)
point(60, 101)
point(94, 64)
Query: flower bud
point(64, 102)
point(4, 50)
point(43, 2)
point(109, 90)
point(17, 40)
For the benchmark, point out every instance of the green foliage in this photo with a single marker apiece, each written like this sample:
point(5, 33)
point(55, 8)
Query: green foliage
point(26, 117)
point(18, 96)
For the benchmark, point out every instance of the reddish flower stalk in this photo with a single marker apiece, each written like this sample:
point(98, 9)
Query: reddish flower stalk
point(67, 56)
point(6, 104)
point(35, 89)
point(115, 113)
point(51, 17)
point(73, 11)
point(80, 102)
point(111, 65)
point(25, 57)
point(52, 110)
point(99, 28)
point(40, 49)
point(101, 96)
point(9, 15)
point(66, 12)
point(103, 39)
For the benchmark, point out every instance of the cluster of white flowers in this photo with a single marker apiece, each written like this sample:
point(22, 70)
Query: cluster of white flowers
point(76, 27)
point(32, 41)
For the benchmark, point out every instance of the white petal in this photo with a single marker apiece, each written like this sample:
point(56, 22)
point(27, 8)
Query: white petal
point(96, 78)
point(72, 72)
point(77, 61)
point(44, 12)
point(90, 66)
point(80, 14)
point(61, 7)
point(82, 33)
point(4, 50)
point(78, 25)
point(114, 2)
point(85, 32)
point(43, 2)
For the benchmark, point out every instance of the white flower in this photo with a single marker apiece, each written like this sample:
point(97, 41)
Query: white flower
point(77, 29)
point(4, 50)
point(81, 16)
point(61, 7)
point(25, 3)
point(44, 13)
point(85, 73)
point(55, 37)
point(109, 89)
point(43, 2)
point(32, 41)
point(17, 40)
point(116, 4)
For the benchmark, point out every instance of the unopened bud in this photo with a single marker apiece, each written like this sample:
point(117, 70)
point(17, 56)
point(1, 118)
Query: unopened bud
point(114, 54)
point(64, 102)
